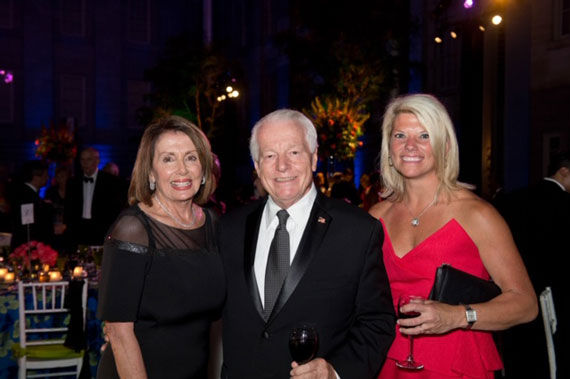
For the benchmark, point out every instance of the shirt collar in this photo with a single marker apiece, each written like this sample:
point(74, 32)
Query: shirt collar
point(32, 187)
point(298, 211)
point(555, 181)
point(94, 176)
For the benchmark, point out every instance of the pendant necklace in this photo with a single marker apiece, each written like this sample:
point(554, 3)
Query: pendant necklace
point(173, 218)
point(416, 219)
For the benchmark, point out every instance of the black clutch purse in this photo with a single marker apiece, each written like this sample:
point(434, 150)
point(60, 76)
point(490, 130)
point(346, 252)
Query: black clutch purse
point(453, 286)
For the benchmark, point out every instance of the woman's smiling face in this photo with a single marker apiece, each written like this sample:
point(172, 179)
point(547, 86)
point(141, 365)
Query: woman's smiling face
point(176, 167)
point(410, 147)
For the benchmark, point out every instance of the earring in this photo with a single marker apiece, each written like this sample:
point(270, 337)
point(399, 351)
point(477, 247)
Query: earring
point(152, 185)
point(203, 180)
point(390, 162)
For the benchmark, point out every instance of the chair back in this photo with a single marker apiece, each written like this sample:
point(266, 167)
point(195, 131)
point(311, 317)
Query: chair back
point(45, 299)
point(550, 324)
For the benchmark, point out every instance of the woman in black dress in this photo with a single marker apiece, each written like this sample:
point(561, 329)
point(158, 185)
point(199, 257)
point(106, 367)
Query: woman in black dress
point(162, 282)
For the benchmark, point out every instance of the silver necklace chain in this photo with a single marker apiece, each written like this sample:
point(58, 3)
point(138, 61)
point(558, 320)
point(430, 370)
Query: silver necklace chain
point(416, 219)
point(177, 221)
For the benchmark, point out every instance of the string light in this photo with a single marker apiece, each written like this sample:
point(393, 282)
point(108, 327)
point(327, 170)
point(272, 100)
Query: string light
point(497, 19)
point(231, 92)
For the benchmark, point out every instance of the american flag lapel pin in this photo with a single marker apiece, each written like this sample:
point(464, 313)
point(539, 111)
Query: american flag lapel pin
point(321, 220)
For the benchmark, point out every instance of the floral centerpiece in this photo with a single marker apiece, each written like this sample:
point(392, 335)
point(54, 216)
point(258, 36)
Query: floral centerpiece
point(32, 254)
point(56, 144)
point(339, 124)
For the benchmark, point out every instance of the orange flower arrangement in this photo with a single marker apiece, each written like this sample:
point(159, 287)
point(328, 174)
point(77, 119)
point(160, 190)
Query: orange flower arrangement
point(56, 144)
point(339, 124)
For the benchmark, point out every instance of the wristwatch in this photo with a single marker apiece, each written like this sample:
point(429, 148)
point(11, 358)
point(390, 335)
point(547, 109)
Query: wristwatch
point(470, 315)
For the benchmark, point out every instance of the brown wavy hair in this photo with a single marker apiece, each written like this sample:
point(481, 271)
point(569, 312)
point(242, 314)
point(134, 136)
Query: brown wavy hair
point(139, 189)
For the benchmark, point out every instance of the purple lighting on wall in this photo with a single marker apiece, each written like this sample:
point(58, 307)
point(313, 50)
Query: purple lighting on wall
point(468, 4)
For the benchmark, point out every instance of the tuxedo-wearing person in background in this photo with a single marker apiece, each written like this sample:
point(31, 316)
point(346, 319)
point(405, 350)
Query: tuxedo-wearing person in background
point(34, 177)
point(92, 203)
point(539, 217)
point(336, 280)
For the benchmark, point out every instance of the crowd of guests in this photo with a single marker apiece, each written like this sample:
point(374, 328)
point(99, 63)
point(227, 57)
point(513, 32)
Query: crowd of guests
point(303, 249)
point(75, 209)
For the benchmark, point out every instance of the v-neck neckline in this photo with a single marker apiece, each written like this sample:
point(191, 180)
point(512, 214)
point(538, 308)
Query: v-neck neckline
point(425, 240)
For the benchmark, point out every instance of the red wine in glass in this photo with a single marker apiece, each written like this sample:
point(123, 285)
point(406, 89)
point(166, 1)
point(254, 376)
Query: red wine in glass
point(303, 343)
point(408, 315)
point(409, 363)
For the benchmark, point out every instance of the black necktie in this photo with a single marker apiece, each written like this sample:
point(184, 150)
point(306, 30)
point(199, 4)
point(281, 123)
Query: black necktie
point(277, 263)
point(88, 179)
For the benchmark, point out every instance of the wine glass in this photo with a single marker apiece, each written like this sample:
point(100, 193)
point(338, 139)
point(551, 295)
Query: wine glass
point(303, 343)
point(409, 363)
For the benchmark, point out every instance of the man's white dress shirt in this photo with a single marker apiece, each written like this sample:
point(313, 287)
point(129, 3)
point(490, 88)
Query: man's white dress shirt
point(296, 223)
point(88, 189)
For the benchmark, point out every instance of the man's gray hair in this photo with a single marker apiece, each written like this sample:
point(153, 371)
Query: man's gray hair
point(284, 115)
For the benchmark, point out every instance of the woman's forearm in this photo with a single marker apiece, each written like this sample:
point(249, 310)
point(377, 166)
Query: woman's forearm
point(126, 350)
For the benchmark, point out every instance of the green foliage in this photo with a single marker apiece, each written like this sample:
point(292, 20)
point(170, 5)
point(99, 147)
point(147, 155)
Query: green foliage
point(339, 48)
point(187, 81)
point(345, 60)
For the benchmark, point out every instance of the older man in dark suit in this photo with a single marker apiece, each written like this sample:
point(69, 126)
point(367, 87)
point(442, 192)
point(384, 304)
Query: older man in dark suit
point(92, 203)
point(299, 257)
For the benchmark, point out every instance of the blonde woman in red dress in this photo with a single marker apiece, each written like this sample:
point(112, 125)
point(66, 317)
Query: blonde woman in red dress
point(429, 219)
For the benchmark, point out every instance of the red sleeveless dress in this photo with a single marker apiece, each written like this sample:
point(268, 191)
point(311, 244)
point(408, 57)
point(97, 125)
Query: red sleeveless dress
point(457, 354)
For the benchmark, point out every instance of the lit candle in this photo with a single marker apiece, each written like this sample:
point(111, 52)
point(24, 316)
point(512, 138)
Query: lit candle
point(3, 272)
point(45, 268)
point(54, 276)
point(78, 272)
point(9, 277)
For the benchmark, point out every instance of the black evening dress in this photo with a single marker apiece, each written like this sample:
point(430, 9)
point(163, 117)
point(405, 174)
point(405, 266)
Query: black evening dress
point(170, 283)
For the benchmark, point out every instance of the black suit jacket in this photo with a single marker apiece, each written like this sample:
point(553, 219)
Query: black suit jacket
point(108, 201)
point(539, 218)
point(337, 282)
point(42, 228)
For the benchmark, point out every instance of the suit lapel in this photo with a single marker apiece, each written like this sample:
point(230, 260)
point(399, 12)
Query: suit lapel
point(80, 195)
point(97, 191)
point(250, 243)
point(316, 228)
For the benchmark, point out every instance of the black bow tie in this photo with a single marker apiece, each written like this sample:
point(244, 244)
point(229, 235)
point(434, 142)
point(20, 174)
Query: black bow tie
point(88, 179)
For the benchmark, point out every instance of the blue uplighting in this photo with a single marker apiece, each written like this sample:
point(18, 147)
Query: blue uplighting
point(105, 154)
point(358, 167)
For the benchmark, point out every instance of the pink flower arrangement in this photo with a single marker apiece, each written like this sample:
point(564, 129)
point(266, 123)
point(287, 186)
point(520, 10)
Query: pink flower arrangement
point(32, 253)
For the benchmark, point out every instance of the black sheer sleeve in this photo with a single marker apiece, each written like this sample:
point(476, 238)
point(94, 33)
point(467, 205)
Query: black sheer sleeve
point(126, 258)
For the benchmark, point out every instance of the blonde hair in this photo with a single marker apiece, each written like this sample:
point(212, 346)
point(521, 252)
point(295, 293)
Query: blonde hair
point(433, 116)
point(139, 190)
